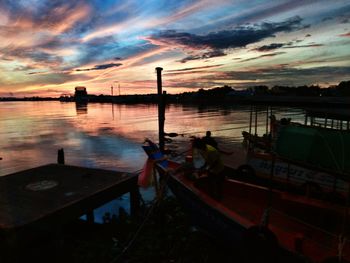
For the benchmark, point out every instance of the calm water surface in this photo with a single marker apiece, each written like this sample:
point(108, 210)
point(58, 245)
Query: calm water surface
point(108, 136)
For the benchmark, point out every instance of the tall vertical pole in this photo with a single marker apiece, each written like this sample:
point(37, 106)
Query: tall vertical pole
point(161, 109)
point(267, 121)
point(256, 120)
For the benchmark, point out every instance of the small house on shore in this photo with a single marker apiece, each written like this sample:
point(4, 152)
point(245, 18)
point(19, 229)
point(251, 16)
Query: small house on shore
point(81, 94)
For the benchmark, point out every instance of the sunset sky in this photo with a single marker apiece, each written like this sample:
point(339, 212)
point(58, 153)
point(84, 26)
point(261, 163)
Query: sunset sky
point(47, 47)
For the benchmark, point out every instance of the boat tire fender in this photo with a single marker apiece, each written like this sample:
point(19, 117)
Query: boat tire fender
point(246, 171)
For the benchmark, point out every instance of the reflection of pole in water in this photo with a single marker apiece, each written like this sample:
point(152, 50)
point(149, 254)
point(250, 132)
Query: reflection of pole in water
point(112, 110)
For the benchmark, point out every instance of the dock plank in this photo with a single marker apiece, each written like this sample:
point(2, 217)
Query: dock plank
point(57, 193)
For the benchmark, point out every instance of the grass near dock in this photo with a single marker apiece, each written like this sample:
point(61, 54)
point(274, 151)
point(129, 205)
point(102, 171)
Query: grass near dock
point(164, 235)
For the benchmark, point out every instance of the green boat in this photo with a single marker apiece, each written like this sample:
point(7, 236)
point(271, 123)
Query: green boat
point(311, 157)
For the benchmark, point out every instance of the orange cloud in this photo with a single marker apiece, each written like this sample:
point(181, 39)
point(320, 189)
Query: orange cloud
point(345, 35)
point(71, 16)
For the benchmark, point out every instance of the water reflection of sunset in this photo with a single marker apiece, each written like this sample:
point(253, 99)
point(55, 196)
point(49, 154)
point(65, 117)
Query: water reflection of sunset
point(104, 135)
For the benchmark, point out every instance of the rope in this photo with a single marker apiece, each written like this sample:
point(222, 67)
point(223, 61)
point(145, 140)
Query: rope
point(155, 203)
point(132, 240)
point(265, 217)
point(341, 243)
point(225, 129)
point(330, 151)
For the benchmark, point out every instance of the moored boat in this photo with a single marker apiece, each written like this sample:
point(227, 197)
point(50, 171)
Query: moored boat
point(262, 224)
point(310, 157)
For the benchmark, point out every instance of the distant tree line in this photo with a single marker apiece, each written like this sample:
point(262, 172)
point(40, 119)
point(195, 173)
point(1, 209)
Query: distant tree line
point(342, 89)
point(221, 94)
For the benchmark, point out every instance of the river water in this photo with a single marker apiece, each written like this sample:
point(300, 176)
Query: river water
point(110, 136)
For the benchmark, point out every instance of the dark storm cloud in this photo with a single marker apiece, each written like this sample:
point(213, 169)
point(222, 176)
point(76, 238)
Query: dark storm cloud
point(270, 47)
point(235, 38)
point(274, 46)
point(101, 67)
point(265, 55)
point(193, 68)
point(305, 46)
point(285, 75)
point(35, 55)
point(206, 55)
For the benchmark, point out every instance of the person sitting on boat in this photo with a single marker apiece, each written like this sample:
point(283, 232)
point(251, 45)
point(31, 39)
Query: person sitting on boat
point(208, 139)
point(213, 166)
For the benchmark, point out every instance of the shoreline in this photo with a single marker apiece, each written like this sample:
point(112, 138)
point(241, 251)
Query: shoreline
point(213, 100)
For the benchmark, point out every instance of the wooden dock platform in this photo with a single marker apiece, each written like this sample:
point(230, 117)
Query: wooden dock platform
point(54, 194)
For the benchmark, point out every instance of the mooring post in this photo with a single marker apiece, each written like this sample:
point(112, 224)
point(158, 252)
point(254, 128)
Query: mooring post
point(90, 217)
point(134, 201)
point(161, 109)
point(60, 156)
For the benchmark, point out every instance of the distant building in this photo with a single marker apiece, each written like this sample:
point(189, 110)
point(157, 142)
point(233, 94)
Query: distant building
point(81, 95)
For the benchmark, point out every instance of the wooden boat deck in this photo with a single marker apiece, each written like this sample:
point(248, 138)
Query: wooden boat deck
point(316, 226)
point(234, 155)
point(54, 194)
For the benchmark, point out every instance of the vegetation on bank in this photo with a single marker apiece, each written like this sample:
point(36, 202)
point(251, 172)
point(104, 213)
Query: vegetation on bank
point(163, 235)
point(220, 94)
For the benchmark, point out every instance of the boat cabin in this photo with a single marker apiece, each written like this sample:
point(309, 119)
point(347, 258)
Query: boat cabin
point(309, 157)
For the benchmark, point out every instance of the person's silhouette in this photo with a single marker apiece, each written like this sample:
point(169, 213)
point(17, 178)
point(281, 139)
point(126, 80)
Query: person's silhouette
point(210, 140)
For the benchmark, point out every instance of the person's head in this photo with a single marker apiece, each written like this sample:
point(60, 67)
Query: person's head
point(198, 143)
point(208, 133)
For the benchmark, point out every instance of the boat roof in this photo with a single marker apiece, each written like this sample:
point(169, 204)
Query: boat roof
point(334, 113)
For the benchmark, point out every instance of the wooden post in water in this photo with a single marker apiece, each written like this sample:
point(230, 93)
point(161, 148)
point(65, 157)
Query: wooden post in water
point(134, 201)
point(60, 156)
point(90, 217)
point(256, 120)
point(161, 109)
point(267, 121)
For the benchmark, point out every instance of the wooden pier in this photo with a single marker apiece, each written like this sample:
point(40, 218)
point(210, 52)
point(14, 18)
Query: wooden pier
point(50, 196)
